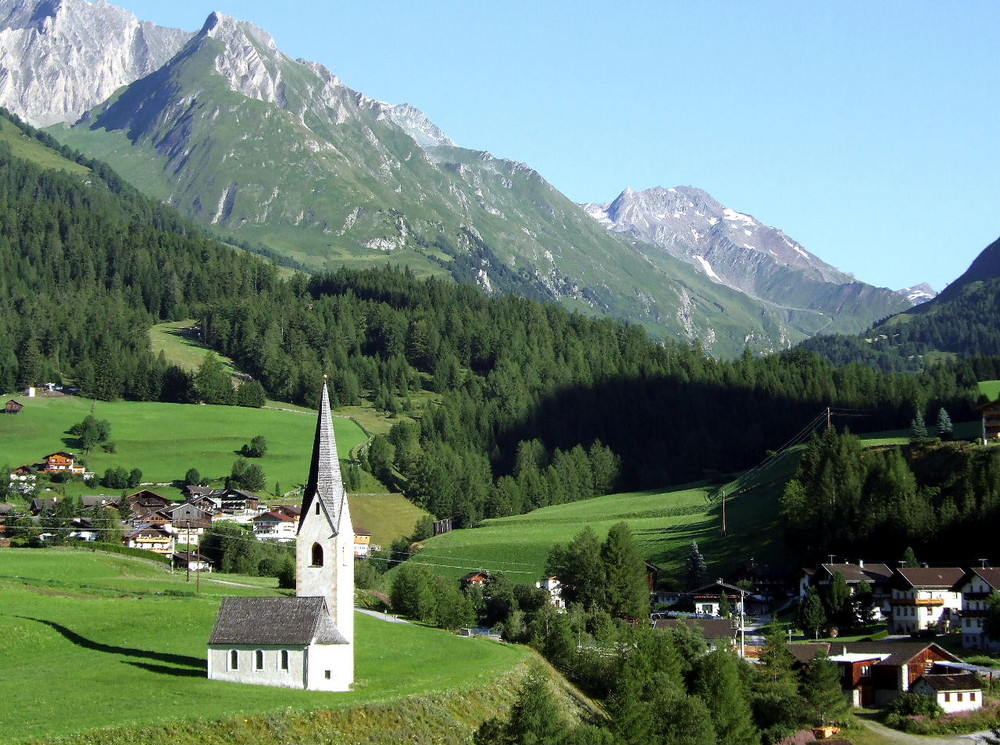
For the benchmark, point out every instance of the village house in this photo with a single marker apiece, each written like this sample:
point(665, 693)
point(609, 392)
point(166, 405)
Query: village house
point(150, 538)
point(13, 407)
point(878, 576)
point(991, 420)
point(766, 580)
point(924, 598)
point(63, 462)
point(41, 504)
point(362, 542)
point(90, 501)
point(875, 673)
point(708, 600)
point(145, 503)
point(975, 586)
point(275, 526)
point(194, 562)
point(952, 691)
point(188, 522)
point(306, 641)
point(553, 587)
point(474, 579)
point(22, 479)
point(240, 504)
point(719, 633)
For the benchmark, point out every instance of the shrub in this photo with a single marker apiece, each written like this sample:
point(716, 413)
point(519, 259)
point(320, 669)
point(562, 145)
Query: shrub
point(912, 704)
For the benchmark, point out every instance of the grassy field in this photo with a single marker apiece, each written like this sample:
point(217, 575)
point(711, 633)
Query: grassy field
point(180, 347)
point(165, 440)
point(663, 522)
point(94, 641)
point(990, 389)
point(31, 150)
point(386, 516)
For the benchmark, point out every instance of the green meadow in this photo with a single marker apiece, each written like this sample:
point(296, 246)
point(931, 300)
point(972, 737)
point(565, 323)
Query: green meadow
point(92, 641)
point(663, 522)
point(165, 440)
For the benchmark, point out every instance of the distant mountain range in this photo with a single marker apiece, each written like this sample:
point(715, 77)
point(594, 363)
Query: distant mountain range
point(280, 154)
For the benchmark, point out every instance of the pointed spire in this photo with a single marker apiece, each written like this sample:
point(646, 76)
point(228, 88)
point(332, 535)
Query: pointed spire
point(325, 482)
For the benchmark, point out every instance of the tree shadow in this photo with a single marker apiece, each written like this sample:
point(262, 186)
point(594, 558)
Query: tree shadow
point(164, 670)
point(82, 641)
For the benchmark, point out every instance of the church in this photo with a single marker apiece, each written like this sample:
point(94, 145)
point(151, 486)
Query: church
point(306, 641)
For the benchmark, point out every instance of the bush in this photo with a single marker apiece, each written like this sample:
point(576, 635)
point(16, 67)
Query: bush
point(912, 704)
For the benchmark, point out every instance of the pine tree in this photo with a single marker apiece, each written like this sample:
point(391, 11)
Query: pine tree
point(717, 682)
point(822, 692)
point(695, 569)
point(944, 426)
point(910, 558)
point(812, 615)
point(626, 593)
point(918, 428)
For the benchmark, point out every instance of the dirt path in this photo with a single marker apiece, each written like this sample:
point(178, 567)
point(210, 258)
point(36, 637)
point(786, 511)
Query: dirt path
point(895, 736)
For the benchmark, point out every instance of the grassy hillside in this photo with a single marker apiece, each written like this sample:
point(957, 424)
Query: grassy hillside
point(165, 440)
point(664, 523)
point(94, 641)
point(22, 146)
point(179, 346)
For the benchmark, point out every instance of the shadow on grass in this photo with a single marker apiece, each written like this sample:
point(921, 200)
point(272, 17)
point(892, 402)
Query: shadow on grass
point(198, 663)
point(165, 670)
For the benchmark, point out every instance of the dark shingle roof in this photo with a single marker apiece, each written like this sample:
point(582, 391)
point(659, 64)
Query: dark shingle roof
point(936, 577)
point(275, 621)
point(805, 652)
point(900, 653)
point(858, 573)
point(991, 575)
point(957, 682)
point(711, 628)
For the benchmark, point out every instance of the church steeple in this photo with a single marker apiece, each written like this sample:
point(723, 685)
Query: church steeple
point(325, 482)
point(324, 550)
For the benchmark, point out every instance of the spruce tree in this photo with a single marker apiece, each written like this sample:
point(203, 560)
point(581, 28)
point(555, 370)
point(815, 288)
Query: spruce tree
point(695, 569)
point(626, 593)
point(944, 426)
point(822, 692)
point(812, 615)
point(918, 428)
point(718, 683)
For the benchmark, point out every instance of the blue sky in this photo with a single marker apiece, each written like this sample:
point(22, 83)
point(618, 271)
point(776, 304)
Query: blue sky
point(868, 132)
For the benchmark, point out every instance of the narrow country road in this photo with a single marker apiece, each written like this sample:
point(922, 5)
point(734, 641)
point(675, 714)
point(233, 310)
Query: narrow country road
point(895, 736)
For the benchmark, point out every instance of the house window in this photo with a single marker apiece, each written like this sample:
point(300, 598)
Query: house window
point(258, 659)
point(284, 659)
point(866, 670)
point(327, 675)
point(234, 659)
point(317, 553)
point(947, 697)
point(972, 696)
point(960, 697)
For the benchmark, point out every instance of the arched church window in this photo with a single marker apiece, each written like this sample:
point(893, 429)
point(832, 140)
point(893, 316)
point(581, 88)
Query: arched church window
point(234, 659)
point(258, 659)
point(317, 555)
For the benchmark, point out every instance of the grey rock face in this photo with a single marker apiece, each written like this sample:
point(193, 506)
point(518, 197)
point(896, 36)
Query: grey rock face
point(918, 293)
point(59, 58)
point(738, 251)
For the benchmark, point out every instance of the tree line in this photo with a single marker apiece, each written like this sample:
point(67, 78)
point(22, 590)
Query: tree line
point(930, 497)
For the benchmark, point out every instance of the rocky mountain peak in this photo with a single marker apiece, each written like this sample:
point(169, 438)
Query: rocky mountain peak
point(110, 48)
point(249, 60)
point(416, 124)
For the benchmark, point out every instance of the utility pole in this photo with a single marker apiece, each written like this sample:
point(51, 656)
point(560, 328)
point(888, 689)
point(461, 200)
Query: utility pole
point(187, 577)
point(723, 512)
point(828, 423)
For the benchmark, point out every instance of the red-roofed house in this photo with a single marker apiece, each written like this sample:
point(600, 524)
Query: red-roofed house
point(62, 462)
point(275, 526)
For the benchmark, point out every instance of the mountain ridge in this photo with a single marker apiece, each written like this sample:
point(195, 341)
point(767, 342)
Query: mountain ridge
point(280, 153)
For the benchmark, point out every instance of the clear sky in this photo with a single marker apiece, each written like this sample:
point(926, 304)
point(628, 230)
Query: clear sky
point(867, 131)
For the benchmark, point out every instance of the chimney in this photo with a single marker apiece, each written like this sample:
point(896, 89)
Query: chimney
point(861, 563)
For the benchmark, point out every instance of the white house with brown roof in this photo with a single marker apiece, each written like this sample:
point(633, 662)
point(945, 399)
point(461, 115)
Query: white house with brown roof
point(924, 598)
point(306, 641)
point(975, 586)
point(953, 691)
point(275, 526)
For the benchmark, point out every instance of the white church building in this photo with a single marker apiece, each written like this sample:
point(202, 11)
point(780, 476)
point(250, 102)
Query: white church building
point(306, 641)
